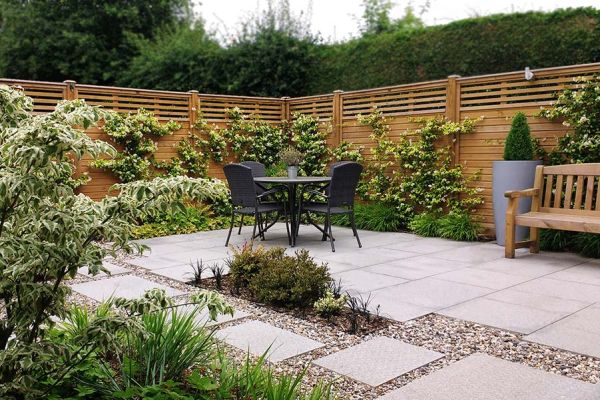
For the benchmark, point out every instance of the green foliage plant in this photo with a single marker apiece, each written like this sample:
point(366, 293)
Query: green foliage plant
point(47, 232)
point(290, 281)
point(375, 216)
point(309, 136)
point(330, 305)
point(579, 109)
point(345, 151)
point(134, 133)
point(245, 262)
point(458, 225)
point(519, 145)
point(426, 224)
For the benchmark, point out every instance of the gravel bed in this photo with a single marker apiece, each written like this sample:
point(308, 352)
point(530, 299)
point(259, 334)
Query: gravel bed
point(456, 339)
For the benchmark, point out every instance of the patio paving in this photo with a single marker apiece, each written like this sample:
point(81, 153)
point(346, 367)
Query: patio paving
point(378, 360)
point(482, 377)
point(260, 338)
point(127, 286)
point(409, 276)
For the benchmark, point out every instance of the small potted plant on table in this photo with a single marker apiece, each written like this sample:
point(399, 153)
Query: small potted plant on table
point(292, 158)
point(515, 172)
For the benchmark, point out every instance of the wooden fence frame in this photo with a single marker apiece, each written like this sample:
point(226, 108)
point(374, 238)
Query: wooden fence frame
point(495, 96)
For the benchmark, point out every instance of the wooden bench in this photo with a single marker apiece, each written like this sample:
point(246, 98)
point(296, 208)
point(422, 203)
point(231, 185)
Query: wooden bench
point(564, 197)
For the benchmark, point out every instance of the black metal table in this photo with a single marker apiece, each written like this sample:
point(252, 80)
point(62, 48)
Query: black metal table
point(292, 185)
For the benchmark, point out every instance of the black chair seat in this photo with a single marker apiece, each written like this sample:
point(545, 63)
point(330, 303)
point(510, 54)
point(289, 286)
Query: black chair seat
point(322, 208)
point(261, 208)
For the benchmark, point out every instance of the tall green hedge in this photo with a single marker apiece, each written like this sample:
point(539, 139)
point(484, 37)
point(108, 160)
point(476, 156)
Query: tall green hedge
point(467, 47)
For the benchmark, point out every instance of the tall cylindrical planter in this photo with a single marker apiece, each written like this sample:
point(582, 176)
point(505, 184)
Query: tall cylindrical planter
point(511, 175)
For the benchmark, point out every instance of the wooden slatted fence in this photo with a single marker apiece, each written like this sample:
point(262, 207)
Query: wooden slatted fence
point(495, 97)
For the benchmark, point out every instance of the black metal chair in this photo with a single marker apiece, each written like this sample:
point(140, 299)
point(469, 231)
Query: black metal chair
point(339, 199)
point(258, 170)
point(246, 200)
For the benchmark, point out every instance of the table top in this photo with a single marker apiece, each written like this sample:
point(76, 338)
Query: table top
point(285, 179)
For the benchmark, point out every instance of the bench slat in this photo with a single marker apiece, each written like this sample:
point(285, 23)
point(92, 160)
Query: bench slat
point(574, 169)
point(548, 195)
point(589, 193)
point(578, 193)
point(558, 191)
point(568, 192)
point(577, 223)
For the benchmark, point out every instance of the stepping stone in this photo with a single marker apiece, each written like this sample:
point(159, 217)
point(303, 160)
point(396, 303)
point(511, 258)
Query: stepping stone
point(127, 286)
point(579, 332)
point(378, 360)
point(112, 268)
point(203, 317)
point(259, 338)
point(482, 377)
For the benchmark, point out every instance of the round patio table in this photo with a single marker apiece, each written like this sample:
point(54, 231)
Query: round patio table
point(292, 185)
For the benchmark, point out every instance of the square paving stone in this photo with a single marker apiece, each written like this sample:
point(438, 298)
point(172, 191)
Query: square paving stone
point(483, 278)
point(153, 262)
point(114, 269)
point(203, 316)
point(579, 332)
point(512, 317)
point(364, 281)
point(435, 293)
point(482, 377)
point(539, 301)
point(416, 267)
point(378, 360)
point(259, 338)
point(385, 301)
point(127, 286)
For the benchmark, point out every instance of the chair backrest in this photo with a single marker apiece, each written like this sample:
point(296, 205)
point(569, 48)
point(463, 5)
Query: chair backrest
point(568, 189)
point(335, 164)
point(344, 180)
point(258, 169)
point(241, 185)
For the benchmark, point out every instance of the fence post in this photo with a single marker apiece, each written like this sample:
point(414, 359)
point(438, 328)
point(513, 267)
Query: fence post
point(193, 107)
point(453, 110)
point(70, 90)
point(285, 108)
point(337, 117)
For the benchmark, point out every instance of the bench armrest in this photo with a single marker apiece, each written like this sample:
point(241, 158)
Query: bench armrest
point(513, 194)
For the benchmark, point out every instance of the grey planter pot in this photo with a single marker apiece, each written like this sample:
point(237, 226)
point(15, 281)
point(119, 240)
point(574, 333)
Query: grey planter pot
point(511, 175)
point(292, 172)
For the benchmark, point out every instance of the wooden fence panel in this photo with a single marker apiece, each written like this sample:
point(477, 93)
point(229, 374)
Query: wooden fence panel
point(495, 97)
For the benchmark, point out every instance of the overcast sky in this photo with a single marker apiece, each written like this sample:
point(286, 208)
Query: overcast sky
point(337, 19)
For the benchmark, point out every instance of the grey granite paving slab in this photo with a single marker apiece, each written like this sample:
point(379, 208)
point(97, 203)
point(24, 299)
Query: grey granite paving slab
point(385, 302)
point(364, 281)
point(482, 377)
point(203, 316)
point(127, 286)
point(416, 267)
point(588, 273)
point(335, 267)
point(483, 278)
point(512, 317)
point(112, 268)
point(435, 293)
point(539, 301)
point(563, 289)
point(259, 338)
point(378, 360)
point(427, 245)
point(579, 332)
point(532, 265)
point(367, 257)
point(153, 262)
point(476, 253)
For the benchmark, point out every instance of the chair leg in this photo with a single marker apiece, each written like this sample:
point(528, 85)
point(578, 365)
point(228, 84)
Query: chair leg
point(509, 245)
point(325, 229)
point(230, 228)
point(354, 229)
point(287, 227)
point(261, 231)
point(254, 228)
point(299, 217)
point(534, 236)
point(241, 224)
point(331, 239)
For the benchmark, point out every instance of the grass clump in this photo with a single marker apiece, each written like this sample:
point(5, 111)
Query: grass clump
point(380, 217)
point(426, 224)
point(459, 226)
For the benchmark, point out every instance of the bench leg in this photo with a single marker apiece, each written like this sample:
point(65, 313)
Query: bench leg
point(509, 245)
point(534, 236)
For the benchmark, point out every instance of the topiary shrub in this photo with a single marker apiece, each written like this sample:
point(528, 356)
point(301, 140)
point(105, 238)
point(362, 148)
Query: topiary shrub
point(290, 281)
point(519, 145)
